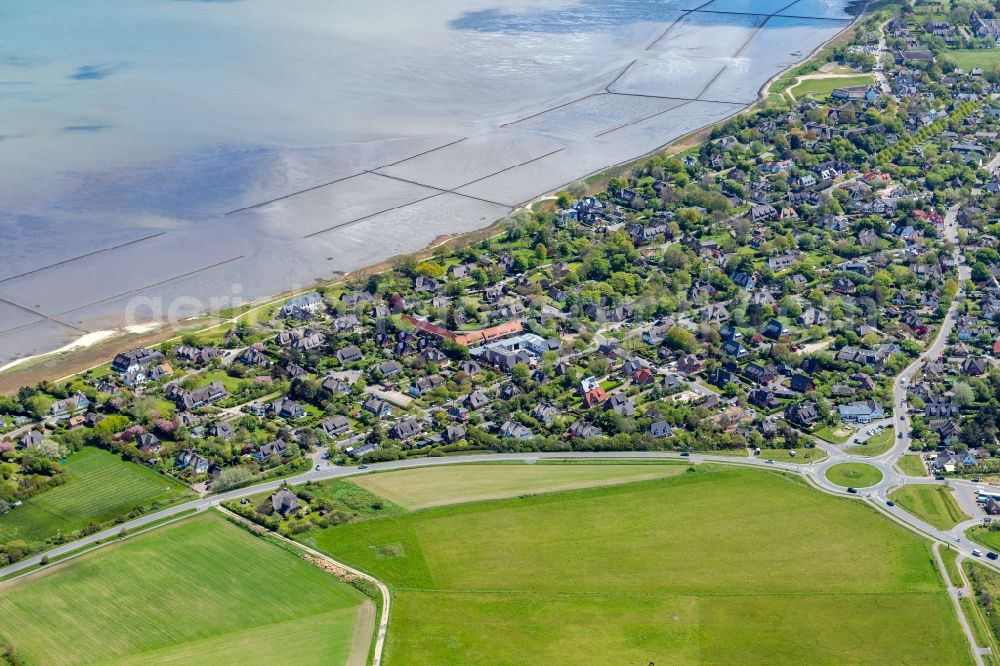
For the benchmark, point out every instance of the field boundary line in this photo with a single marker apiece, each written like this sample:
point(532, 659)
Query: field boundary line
point(383, 618)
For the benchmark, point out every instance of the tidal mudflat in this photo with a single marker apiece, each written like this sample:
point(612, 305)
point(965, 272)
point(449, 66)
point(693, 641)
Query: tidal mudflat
point(161, 158)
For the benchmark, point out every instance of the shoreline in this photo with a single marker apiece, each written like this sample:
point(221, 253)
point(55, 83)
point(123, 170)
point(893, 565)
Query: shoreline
point(61, 364)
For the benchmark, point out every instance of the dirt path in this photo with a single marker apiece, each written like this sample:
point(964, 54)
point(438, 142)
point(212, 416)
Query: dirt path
point(361, 642)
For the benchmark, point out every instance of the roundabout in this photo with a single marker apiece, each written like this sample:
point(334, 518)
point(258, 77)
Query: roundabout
point(854, 475)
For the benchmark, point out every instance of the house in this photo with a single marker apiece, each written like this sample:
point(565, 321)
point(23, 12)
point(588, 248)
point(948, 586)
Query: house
point(763, 398)
point(545, 413)
point(196, 356)
point(31, 440)
point(302, 307)
point(187, 459)
point(643, 377)
point(620, 404)
point(782, 262)
point(454, 433)
point(199, 397)
point(222, 431)
point(867, 93)
point(287, 409)
point(811, 317)
point(758, 374)
point(136, 359)
point(335, 425)
point(405, 429)
point(357, 452)
point(660, 429)
point(476, 400)
point(774, 329)
point(349, 354)
point(592, 392)
point(803, 414)
point(148, 443)
point(762, 212)
point(936, 406)
point(864, 411)
point(514, 430)
point(377, 406)
point(285, 502)
point(301, 339)
point(802, 384)
point(425, 384)
point(389, 369)
point(335, 385)
point(843, 285)
point(264, 452)
point(69, 406)
point(975, 366)
point(583, 430)
point(688, 364)
point(734, 348)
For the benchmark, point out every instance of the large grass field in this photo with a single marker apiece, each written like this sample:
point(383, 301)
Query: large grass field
point(821, 88)
point(714, 566)
point(969, 58)
point(425, 487)
point(100, 487)
point(933, 503)
point(201, 591)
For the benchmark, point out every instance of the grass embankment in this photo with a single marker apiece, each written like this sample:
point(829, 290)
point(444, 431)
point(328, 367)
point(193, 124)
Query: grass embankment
point(716, 565)
point(802, 455)
point(833, 435)
point(856, 475)
point(950, 559)
point(985, 536)
point(435, 486)
point(202, 591)
point(911, 465)
point(984, 615)
point(875, 445)
point(101, 486)
point(934, 504)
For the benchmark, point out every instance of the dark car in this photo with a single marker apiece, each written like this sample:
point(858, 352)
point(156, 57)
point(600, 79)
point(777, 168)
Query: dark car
point(991, 555)
point(939, 477)
point(685, 454)
point(362, 466)
point(890, 503)
point(853, 491)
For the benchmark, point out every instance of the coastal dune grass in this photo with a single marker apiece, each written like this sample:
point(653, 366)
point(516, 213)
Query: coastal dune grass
point(100, 487)
point(933, 503)
point(201, 591)
point(717, 565)
point(425, 487)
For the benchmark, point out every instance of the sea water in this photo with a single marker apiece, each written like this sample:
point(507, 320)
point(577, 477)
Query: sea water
point(183, 150)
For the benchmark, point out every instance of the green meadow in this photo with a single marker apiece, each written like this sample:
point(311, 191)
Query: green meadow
point(201, 591)
point(717, 565)
point(100, 487)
